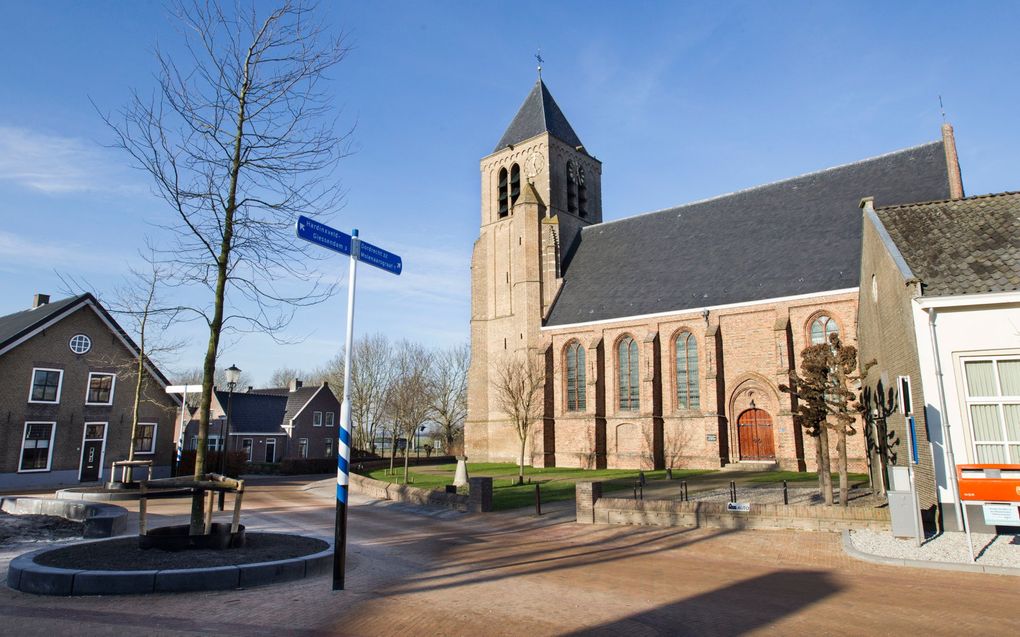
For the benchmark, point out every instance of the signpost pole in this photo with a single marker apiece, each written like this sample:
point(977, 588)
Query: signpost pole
point(343, 456)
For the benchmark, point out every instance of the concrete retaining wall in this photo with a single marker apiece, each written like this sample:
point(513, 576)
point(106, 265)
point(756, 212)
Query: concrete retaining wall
point(101, 520)
point(599, 510)
point(476, 502)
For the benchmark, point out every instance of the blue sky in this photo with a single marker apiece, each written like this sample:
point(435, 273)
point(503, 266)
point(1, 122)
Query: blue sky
point(680, 101)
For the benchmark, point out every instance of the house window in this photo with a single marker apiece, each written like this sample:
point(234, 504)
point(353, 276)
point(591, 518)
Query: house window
point(627, 363)
point(503, 199)
point(687, 395)
point(316, 418)
point(571, 188)
point(37, 446)
point(45, 386)
point(582, 194)
point(993, 407)
point(329, 419)
point(80, 344)
point(145, 438)
point(329, 447)
point(515, 183)
point(100, 389)
point(302, 447)
point(246, 447)
point(822, 328)
point(213, 443)
point(575, 377)
point(270, 449)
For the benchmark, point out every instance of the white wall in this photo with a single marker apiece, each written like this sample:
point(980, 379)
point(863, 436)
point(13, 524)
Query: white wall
point(981, 324)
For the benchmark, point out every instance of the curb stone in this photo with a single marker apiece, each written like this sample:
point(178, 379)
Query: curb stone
point(856, 553)
point(25, 575)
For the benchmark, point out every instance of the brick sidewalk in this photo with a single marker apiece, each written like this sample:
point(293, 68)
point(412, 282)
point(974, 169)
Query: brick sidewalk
point(417, 575)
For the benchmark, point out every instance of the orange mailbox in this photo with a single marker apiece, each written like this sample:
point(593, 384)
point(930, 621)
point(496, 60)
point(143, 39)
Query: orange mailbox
point(989, 482)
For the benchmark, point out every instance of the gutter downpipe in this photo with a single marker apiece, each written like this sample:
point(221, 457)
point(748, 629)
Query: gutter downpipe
point(950, 456)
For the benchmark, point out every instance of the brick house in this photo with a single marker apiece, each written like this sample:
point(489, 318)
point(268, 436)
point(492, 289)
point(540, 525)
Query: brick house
point(272, 424)
point(940, 314)
point(664, 336)
point(68, 396)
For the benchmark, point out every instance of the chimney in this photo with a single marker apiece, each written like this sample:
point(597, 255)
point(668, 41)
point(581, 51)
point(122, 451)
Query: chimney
point(40, 300)
point(295, 384)
point(251, 388)
point(952, 162)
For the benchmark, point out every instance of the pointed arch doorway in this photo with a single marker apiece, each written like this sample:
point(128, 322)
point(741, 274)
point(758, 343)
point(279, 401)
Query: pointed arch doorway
point(754, 428)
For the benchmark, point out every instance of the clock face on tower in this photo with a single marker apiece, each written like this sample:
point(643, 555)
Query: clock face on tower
point(533, 165)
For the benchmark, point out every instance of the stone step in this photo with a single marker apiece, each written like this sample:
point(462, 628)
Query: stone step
point(752, 465)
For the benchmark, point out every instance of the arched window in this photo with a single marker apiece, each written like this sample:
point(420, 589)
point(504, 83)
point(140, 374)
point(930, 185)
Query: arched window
point(571, 188)
point(582, 194)
point(504, 201)
point(687, 395)
point(627, 361)
point(515, 183)
point(575, 377)
point(821, 328)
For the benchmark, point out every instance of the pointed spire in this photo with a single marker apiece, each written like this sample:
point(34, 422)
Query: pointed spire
point(538, 114)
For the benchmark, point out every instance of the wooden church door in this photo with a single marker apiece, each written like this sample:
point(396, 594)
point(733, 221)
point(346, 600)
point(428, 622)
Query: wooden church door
point(755, 431)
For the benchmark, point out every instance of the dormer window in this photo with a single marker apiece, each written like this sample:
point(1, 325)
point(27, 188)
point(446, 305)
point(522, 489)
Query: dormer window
point(571, 188)
point(515, 183)
point(582, 194)
point(504, 199)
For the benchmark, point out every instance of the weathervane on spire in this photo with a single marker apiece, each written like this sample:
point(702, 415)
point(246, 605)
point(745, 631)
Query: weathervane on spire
point(538, 56)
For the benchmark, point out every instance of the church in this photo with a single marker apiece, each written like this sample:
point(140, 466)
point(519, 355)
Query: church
point(665, 336)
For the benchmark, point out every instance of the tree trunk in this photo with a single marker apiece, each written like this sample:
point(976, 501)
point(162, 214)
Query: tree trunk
point(139, 375)
point(818, 463)
point(520, 469)
point(825, 469)
point(844, 487)
point(407, 449)
point(393, 448)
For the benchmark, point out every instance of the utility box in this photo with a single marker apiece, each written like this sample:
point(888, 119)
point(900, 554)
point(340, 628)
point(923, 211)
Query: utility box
point(901, 504)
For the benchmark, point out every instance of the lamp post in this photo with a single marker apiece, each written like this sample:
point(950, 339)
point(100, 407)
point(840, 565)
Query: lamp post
point(417, 441)
point(233, 376)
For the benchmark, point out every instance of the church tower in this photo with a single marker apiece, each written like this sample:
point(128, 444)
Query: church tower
point(539, 188)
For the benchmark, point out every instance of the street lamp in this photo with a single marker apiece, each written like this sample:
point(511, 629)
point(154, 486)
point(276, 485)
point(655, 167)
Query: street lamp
point(417, 441)
point(233, 376)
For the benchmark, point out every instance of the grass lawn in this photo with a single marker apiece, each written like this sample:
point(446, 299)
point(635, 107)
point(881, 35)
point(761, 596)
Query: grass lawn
point(798, 476)
point(557, 483)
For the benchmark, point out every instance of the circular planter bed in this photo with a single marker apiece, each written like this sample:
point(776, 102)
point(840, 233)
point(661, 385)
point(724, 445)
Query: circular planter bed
point(121, 566)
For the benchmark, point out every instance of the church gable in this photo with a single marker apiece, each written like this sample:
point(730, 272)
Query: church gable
point(792, 237)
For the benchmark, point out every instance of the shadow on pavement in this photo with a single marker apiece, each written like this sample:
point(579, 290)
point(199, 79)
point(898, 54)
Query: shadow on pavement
point(736, 609)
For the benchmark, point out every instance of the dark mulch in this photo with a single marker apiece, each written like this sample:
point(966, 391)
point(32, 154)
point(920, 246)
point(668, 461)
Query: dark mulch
point(123, 554)
point(37, 528)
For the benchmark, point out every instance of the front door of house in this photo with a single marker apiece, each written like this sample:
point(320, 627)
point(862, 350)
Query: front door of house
point(754, 427)
point(270, 449)
point(92, 452)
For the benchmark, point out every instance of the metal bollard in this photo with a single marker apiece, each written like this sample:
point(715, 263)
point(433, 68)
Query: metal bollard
point(733, 491)
point(786, 495)
point(683, 491)
point(538, 500)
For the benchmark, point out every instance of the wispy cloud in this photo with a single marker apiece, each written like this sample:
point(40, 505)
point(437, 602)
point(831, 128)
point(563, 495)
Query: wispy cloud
point(24, 252)
point(55, 164)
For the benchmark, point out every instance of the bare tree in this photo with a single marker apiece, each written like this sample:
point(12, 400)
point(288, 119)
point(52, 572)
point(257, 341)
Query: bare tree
point(827, 403)
point(282, 376)
point(372, 371)
point(449, 395)
point(676, 439)
point(238, 142)
point(408, 400)
point(194, 376)
point(519, 383)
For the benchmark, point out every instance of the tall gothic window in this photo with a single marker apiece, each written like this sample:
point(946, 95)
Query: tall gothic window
point(575, 377)
point(571, 188)
point(515, 183)
point(627, 361)
point(504, 200)
point(687, 395)
point(582, 194)
point(821, 328)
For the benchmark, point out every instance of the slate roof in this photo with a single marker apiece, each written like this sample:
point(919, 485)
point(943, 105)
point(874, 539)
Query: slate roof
point(791, 237)
point(298, 399)
point(538, 114)
point(967, 246)
point(254, 412)
point(14, 326)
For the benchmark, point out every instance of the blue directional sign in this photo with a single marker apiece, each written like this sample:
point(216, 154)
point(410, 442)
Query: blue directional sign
point(332, 239)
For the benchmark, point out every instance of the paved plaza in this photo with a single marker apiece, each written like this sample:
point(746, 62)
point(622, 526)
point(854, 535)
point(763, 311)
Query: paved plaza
point(416, 572)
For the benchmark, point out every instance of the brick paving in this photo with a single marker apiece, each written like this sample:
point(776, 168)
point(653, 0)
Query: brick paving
point(452, 574)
